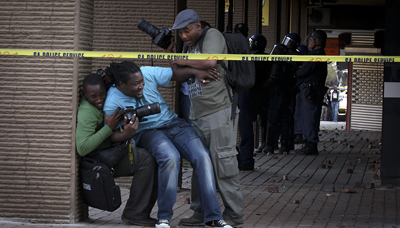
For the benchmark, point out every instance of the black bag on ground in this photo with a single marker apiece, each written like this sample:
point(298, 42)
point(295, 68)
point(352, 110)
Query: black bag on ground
point(98, 185)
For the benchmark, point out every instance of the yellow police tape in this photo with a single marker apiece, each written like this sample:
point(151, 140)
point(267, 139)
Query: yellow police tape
point(162, 55)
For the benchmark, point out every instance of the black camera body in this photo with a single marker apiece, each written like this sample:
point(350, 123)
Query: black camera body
point(161, 37)
point(142, 111)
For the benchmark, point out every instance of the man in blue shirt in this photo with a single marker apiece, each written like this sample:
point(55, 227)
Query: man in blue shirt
point(165, 136)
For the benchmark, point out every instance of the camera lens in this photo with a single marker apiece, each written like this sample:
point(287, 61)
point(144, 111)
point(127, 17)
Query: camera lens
point(148, 110)
point(148, 28)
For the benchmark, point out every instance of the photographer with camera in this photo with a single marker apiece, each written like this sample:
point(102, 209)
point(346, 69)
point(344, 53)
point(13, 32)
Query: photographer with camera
point(211, 115)
point(93, 133)
point(165, 136)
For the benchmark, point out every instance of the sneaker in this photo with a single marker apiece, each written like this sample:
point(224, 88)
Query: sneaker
point(191, 221)
point(162, 223)
point(217, 223)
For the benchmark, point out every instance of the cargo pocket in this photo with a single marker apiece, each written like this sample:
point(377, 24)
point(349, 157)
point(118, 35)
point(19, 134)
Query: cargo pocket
point(227, 165)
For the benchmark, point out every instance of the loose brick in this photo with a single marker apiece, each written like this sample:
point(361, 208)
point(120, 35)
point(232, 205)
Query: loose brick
point(369, 185)
point(348, 171)
point(273, 190)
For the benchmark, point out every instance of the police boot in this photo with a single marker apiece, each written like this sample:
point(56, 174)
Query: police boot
point(260, 148)
point(298, 139)
point(268, 149)
point(284, 147)
point(308, 149)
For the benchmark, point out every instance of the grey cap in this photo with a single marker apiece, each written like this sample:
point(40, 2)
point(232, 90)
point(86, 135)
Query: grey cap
point(184, 18)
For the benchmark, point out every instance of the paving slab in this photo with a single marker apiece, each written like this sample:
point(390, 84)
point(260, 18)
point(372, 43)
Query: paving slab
point(309, 189)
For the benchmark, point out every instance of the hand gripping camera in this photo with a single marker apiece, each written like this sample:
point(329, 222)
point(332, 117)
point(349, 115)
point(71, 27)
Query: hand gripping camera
point(142, 111)
point(161, 37)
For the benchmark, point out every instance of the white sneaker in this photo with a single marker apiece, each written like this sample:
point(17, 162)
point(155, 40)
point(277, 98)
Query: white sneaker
point(162, 223)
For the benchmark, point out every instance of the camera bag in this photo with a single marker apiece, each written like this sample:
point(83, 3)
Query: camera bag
point(111, 156)
point(98, 185)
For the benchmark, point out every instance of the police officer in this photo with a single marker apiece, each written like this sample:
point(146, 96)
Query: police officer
point(279, 90)
point(311, 79)
point(246, 118)
point(259, 98)
point(292, 41)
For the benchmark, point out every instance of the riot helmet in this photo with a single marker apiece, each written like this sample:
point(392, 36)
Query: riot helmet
point(302, 49)
point(291, 40)
point(257, 42)
point(319, 38)
point(279, 49)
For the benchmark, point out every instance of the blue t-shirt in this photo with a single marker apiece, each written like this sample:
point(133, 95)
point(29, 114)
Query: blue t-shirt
point(153, 77)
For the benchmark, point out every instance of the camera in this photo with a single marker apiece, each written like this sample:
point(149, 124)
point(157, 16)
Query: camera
point(142, 111)
point(161, 37)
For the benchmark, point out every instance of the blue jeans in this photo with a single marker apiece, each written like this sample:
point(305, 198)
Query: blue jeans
point(335, 109)
point(167, 143)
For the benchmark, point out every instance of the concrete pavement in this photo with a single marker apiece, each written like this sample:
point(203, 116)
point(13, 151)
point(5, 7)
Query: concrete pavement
point(338, 188)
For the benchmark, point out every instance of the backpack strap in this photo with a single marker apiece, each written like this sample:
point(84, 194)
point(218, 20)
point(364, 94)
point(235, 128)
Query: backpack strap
point(232, 97)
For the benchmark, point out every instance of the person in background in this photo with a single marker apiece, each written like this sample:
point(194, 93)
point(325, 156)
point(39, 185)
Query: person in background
point(241, 28)
point(247, 116)
point(335, 98)
point(93, 132)
point(311, 79)
point(326, 107)
point(259, 96)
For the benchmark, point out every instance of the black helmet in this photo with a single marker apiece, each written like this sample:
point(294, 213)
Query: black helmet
point(279, 49)
point(302, 49)
point(319, 36)
point(257, 42)
point(291, 40)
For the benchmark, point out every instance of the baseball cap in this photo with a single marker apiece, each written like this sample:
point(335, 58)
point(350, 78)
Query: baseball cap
point(242, 27)
point(184, 18)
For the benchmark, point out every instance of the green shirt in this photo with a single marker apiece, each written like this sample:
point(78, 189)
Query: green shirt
point(212, 97)
point(91, 133)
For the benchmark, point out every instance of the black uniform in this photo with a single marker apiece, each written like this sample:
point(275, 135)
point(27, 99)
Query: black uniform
point(311, 79)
